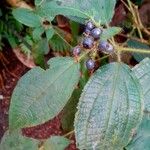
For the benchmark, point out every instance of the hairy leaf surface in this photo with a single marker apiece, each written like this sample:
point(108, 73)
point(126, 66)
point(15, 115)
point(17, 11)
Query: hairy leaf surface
point(109, 109)
point(142, 71)
point(141, 138)
point(40, 95)
point(100, 11)
point(52, 9)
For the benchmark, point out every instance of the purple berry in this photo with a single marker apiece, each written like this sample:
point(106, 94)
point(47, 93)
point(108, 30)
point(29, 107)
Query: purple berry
point(88, 42)
point(90, 25)
point(90, 64)
point(105, 47)
point(87, 31)
point(76, 51)
point(95, 33)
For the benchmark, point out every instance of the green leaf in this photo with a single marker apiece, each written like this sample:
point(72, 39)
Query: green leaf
point(141, 140)
point(49, 33)
point(142, 72)
point(74, 26)
point(142, 137)
point(40, 95)
point(52, 9)
point(109, 109)
point(57, 43)
point(12, 41)
point(37, 32)
point(109, 33)
point(39, 49)
point(101, 11)
point(138, 2)
point(27, 17)
point(15, 141)
point(56, 143)
point(24, 47)
point(42, 46)
point(135, 44)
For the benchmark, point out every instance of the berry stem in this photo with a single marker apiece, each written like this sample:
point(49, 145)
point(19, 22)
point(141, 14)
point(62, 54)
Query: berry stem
point(83, 55)
point(101, 58)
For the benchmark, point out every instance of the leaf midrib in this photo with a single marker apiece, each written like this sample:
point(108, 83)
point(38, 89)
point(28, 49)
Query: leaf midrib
point(116, 72)
point(91, 109)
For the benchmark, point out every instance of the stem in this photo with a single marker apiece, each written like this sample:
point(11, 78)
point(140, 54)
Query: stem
point(125, 5)
point(67, 134)
point(146, 31)
point(135, 18)
point(102, 58)
point(134, 38)
point(141, 26)
point(140, 33)
point(119, 56)
point(83, 55)
point(134, 50)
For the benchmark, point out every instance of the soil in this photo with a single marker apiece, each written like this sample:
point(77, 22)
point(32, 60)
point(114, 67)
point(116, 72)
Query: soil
point(11, 69)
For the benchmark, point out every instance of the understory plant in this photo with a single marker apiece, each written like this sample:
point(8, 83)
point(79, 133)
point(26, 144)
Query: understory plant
point(112, 99)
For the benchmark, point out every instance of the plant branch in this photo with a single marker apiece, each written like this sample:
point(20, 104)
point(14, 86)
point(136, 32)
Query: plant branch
point(134, 50)
point(137, 23)
point(69, 133)
point(101, 58)
point(134, 38)
point(125, 5)
point(84, 55)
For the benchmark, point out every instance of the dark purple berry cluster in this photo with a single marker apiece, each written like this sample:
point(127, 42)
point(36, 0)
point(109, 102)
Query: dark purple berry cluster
point(92, 41)
point(92, 34)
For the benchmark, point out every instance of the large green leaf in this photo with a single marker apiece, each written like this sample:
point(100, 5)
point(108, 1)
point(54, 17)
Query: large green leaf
point(51, 9)
point(142, 71)
point(40, 95)
point(27, 17)
point(15, 141)
point(101, 11)
point(135, 44)
point(56, 143)
point(142, 136)
point(109, 109)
